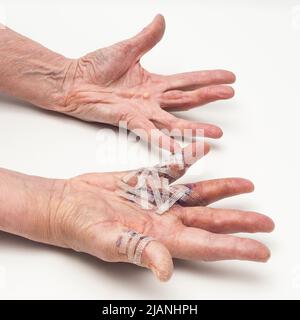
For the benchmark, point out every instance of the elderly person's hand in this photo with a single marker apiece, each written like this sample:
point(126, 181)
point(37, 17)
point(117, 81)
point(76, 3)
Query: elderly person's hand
point(87, 214)
point(110, 85)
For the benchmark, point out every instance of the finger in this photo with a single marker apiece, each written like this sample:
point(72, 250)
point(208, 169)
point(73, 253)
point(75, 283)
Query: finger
point(147, 131)
point(195, 244)
point(158, 258)
point(148, 37)
point(226, 221)
point(183, 100)
point(206, 192)
point(191, 154)
point(196, 79)
point(108, 246)
point(180, 127)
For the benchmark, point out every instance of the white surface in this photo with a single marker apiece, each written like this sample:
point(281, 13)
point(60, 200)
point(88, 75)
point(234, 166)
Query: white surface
point(261, 44)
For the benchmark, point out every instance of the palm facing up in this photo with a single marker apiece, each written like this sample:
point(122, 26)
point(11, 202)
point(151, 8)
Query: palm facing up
point(110, 85)
point(91, 217)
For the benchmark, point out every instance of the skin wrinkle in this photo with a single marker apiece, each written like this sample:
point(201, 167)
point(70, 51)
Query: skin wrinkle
point(66, 73)
point(88, 66)
point(56, 223)
point(84, 213)
point(118, 67)
point(31, 61)
point(82, 228)
point(49, 207)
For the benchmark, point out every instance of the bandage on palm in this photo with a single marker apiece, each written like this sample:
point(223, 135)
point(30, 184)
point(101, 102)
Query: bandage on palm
point(87, 214)
point(150, 187)
point(187, 230)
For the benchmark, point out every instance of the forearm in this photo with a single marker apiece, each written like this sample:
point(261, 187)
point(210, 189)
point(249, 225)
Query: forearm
point(27, 204)
point(31, 72)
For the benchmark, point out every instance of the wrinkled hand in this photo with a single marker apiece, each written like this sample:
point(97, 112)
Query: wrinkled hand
point(91, 217)
point(110, 85)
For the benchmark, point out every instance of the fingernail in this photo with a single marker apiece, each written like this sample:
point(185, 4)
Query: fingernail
point(226, 92)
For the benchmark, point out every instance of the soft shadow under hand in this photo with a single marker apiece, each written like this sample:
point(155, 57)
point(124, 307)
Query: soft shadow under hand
point(131, 275)
point(217, 270)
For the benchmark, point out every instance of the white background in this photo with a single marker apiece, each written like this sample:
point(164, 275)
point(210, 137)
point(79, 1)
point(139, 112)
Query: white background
point(260, 42)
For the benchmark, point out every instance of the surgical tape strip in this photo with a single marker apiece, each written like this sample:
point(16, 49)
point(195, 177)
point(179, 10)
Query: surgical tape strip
point(152, 190)
point(133, 198)
point(180, 192)
point(124, 241)
point(133, 244)
point(140, 248)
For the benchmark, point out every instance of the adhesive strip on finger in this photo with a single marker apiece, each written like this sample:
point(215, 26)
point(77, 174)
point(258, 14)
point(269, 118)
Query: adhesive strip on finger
point(206, 192)
point(124, 240)
point(152, 184)
point(132, 246)
point(177, 193)
point(140, 248)
point(140, 194)
point(148, 252)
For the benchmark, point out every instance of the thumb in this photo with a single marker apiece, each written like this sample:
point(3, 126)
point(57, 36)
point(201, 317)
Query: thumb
point(148, 37)
point(158, 258)
point(118, 244)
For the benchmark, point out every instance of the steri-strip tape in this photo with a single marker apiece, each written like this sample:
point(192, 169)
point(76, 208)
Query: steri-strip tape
point(150, 187)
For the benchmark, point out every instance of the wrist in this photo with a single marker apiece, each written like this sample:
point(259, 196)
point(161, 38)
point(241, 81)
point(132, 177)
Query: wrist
point(28, 205)
point(57, 75)
point(31, 72)
point(44, 222)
